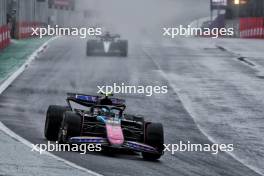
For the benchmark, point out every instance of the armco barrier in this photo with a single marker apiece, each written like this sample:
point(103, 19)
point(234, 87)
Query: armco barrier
point(4, 36)
point(252, 27)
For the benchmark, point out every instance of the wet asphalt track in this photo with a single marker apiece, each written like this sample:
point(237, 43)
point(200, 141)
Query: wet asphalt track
point(65, 68)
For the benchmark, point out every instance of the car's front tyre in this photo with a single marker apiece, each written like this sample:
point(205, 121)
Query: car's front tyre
point(70, 127)
point(53, 121)
point(154, 137)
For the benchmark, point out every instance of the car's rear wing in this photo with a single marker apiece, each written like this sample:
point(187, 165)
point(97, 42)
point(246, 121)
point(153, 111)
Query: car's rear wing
point(90, 100)
point(87, 100)
point(111, 37)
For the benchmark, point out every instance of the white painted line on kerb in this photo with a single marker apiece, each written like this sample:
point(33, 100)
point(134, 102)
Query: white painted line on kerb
point(29, 144)
point(9, 132)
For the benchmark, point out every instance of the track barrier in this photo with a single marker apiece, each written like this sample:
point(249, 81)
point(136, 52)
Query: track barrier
point(4, 36)
point(24, 29)
point(252, 27)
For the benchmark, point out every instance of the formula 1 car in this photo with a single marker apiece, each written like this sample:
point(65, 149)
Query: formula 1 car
point(103, 122)
point(107, 45)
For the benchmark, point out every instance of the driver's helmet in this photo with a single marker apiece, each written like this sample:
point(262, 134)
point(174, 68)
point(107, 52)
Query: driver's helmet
point(106, 101)
point(96, 111)
point(107, 113)
point(100, 111)
point(104, 110)
point(116, 114)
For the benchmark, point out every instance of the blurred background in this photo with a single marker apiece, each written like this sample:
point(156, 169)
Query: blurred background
point(18, 16)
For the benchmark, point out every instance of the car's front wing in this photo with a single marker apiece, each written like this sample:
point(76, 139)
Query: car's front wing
point(131, 145)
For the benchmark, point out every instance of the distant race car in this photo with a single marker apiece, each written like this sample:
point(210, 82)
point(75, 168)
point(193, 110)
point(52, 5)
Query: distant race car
point(107, 45)
point(103, 122)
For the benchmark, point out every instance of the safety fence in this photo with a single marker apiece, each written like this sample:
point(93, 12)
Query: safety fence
point(252, 27)
point(4, 36)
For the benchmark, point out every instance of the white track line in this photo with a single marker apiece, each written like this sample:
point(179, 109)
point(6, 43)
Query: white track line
point(9, 132)
point(29, 144)
point(187, 106)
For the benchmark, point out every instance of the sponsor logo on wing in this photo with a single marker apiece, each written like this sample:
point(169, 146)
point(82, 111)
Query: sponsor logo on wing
point(107, 46)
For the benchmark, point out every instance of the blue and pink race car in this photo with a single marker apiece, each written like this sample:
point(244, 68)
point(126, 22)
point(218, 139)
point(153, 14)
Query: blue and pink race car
point(101, 120)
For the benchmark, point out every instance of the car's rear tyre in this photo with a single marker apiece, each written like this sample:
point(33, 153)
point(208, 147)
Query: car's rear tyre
point(91, 44)
point(88, 49)
point(70, 126)
point(53, 121)
point(123, 48)
point(154, 137)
